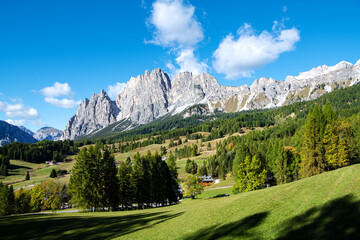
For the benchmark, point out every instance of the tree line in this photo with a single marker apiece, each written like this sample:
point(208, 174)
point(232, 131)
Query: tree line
point(39, 152)
point(147, 181)
point(321, 141)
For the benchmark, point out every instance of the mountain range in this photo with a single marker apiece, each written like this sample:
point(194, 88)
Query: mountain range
point(10, 133)
point(152, 95)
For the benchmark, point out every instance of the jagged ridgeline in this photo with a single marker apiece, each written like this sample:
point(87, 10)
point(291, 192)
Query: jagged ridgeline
point(153, 96)
point(344, 101)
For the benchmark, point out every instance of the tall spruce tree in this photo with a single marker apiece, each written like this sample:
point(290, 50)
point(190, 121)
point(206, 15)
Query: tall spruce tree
point(7, 199)
point(93, 182)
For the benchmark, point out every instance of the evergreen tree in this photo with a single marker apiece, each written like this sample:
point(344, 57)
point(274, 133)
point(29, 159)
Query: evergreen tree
point(4, 170)
point(27, 176)
point(125, 179)
point(7, 200)
point(93, 182)
point(53, 174)
point(286, 165)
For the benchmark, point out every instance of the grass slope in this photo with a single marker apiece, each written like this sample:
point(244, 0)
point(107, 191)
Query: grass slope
point(38, 172)
point(326, 206)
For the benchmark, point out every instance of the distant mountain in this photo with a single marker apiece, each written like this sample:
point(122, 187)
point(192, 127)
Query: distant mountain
point(152, 95)
point(48, 133)
point(10, 133)
point(28, 131)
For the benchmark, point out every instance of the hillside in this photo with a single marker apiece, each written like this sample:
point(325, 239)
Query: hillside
point(326, 206)
point(10, 133)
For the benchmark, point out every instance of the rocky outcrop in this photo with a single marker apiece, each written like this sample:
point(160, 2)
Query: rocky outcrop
point(93, 114)
point(144, 98)
point(48, 133)
point(153, 95)
point(10, 133)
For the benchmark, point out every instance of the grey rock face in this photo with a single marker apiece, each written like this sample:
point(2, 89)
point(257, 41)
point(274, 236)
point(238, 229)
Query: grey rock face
point(10, 133)
point(48, 133)
point(93, 114)
point(152, 95)
point(28, 131)
point(144, 98)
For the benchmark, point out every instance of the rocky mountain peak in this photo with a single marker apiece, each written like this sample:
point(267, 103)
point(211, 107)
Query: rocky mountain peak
point(96, 113)
point(152, 95)
point(48, 133)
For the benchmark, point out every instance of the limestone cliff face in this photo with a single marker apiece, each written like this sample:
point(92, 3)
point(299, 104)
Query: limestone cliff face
point(48, 133)
point(153, 95)
point(93, 114)
point(144, 98)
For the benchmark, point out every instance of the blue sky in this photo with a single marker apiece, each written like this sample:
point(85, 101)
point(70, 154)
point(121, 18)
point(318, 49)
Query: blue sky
point(53, 54)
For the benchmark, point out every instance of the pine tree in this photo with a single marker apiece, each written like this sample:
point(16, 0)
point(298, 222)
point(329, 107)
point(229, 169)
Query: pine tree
point(53, 173)
point(7, 199)
point(27, 177)
point(125, 189)
point(93, 182)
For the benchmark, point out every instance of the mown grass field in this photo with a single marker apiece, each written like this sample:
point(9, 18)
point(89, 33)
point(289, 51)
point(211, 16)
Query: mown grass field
point(326, 206)
point(38, 172)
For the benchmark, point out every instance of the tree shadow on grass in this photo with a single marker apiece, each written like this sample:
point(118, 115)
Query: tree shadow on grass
point(83, 227)
point(17, 168)
point(337, 219)
point(14, 166)
point(237, 229)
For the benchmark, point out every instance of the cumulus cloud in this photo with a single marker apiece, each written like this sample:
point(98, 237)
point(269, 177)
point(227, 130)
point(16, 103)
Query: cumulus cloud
point(176, 26)
point(116, 89)
point(18, 110)
point(239, 56)
point(175, 23)
point(63, 103)
point(189, 62)
point(52, 93)
point(17, 122)
point(57, 90)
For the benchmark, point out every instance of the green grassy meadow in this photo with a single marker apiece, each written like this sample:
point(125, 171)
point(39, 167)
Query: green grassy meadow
point(38, 172)
point(326, 206)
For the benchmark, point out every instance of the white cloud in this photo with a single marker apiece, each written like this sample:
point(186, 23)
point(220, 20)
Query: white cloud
point(63, 103)
point(175, 23)
point(57, 90)
point(238, 57)
point(285, 9)
point(18, 110)
point(189, 62)
point(17, 122)
point(116, 89)
point(176, 26)
point(52, 93)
